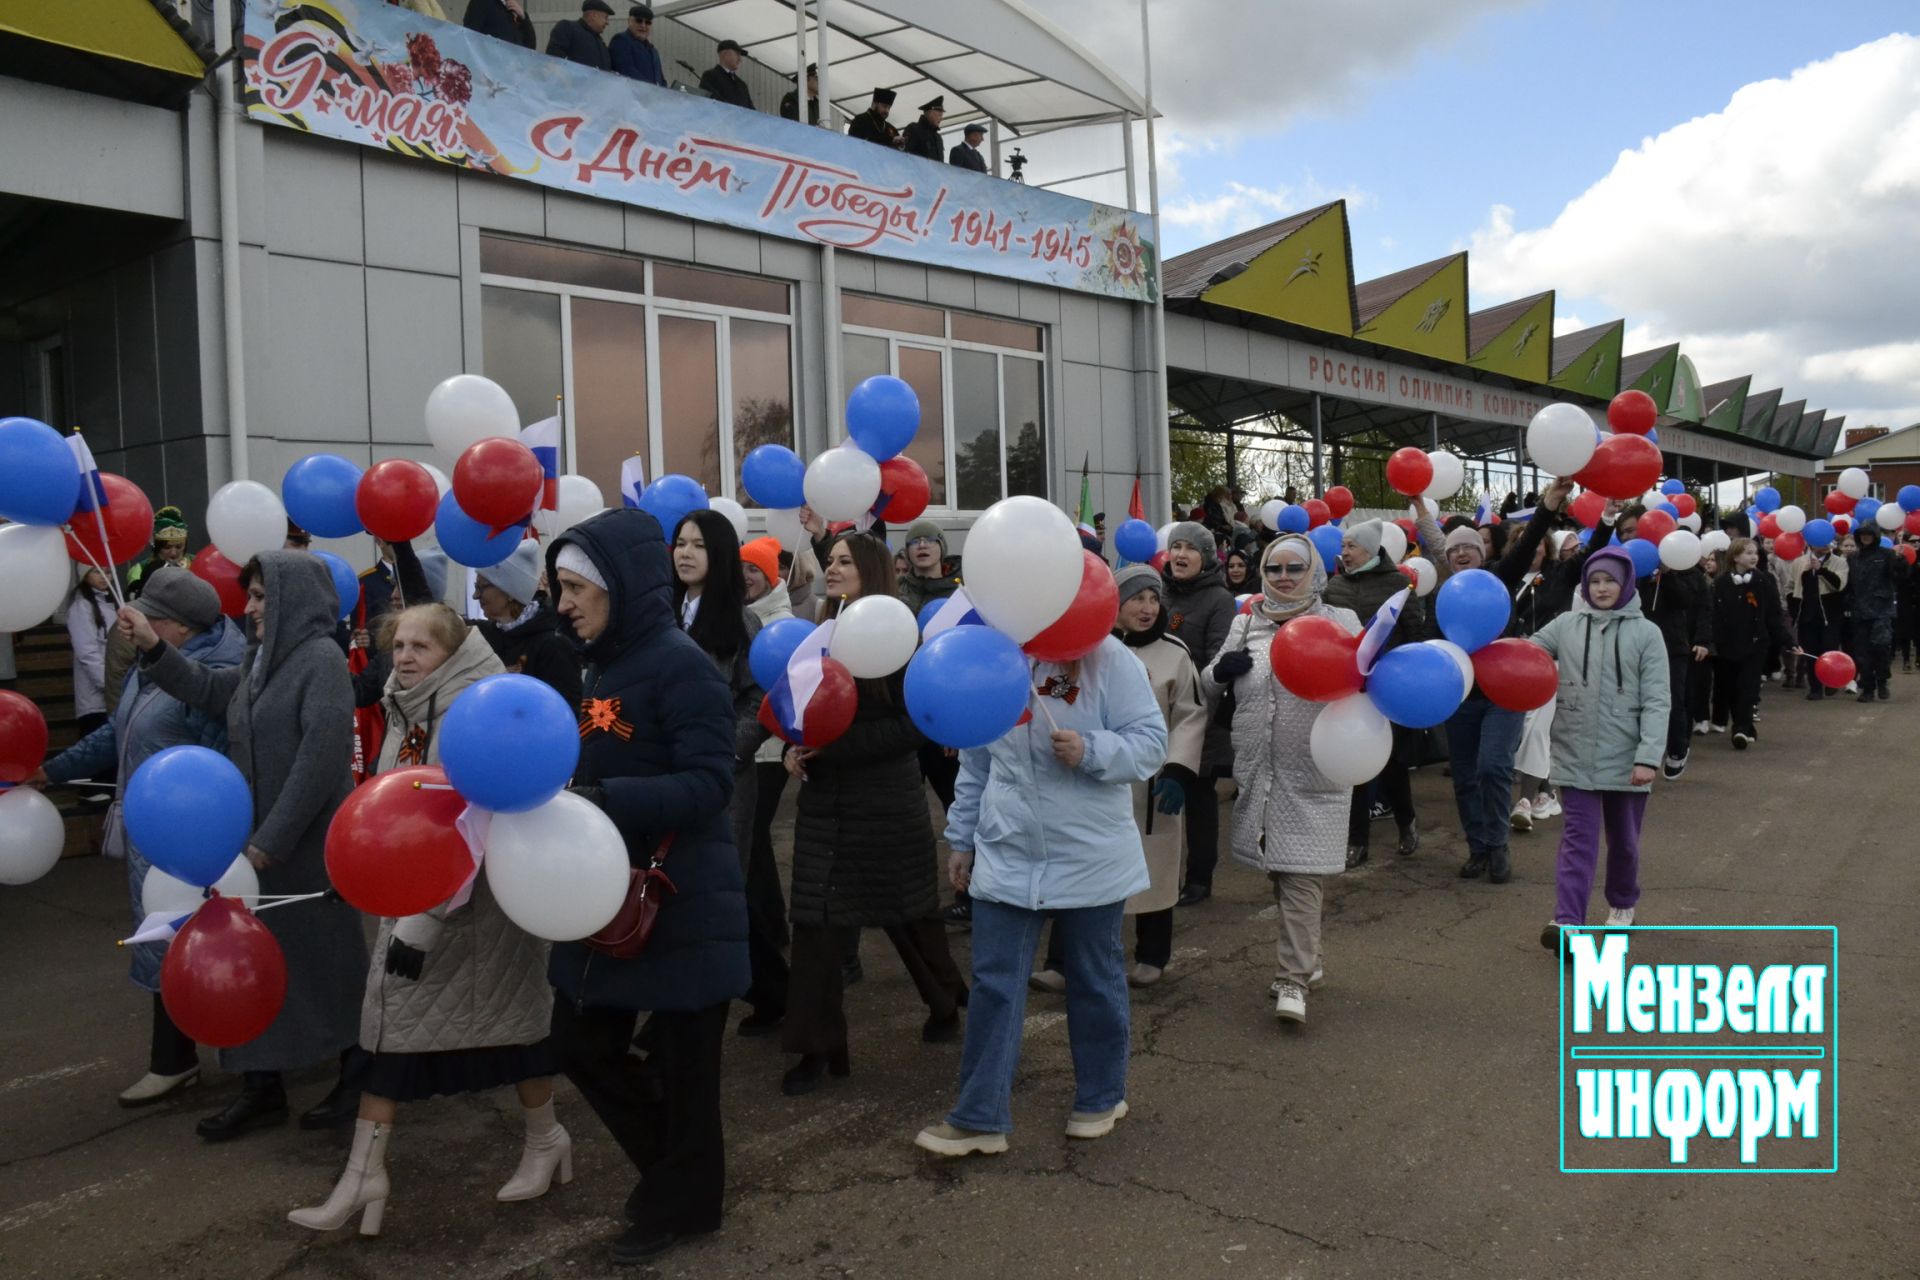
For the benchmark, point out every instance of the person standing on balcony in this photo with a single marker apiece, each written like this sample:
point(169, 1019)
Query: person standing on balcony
point(582, 40)
point(922, 137)
point(502, 19)
point(790, 104)
point(723, 83)
point(632, 52)
point(967, 155)
point(871, 125)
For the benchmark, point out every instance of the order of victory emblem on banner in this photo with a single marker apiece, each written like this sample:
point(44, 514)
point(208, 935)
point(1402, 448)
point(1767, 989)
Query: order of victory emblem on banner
point(382, 76)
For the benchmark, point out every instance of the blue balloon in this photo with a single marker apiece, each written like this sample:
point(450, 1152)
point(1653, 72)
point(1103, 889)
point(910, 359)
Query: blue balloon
point(188, 812)
point(346, 583)
point(1909, 497)
point(1294, 519)
point(509, 743)
point(1653, 436)
point(1669, 508)
point(1136, 540)
point(466, 541)
point(39, 480)
point(1672, 487)
point(318, 492)
point(773, 648)
point(1417, 685)
point(1865, 510)
point(967, 687)
point(1819, 533)
point(1753, 517)
point(883, 414)
point(1645, 557)
point(672, 497)
point(775, 477)
point(1767, 498)
point(1327, 541)
point(1586, 537)
point(1473, 608)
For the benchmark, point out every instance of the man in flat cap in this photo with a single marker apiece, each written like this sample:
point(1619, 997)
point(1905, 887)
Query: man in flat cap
point(790, 104)
point(871, 125)
point(723, 83)
point(633, 52)
point(580, 40)
point(922, 137)
point(967, 154)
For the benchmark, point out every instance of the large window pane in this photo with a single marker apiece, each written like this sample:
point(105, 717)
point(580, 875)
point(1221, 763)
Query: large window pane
point(862, 358)
point(609, 390)
point(995, 333)
point(559, 265)
point(690, 399)
point(762, 391)
point(896, 317)
point(920, 369)
point(692, 285)
point(1026, 427)
point(976, 430)
point(520, 341)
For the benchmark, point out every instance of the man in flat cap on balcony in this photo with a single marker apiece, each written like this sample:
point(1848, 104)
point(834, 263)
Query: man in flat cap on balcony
point(723, 83)
point(967, 155)
point(922, 137)
point(871, 125)
point(633, 52)
point(581, 40)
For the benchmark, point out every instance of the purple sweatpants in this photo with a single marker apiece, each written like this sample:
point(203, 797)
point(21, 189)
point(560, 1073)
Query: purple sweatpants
point(1588, 814)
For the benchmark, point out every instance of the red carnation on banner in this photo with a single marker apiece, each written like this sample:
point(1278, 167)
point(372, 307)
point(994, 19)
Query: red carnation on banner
point(456, 83)
point(424, 54)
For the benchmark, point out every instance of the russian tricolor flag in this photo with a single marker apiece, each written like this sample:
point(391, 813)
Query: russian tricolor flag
point(955, 611)
point(1483, 514)
point(1380, 629)
point(633, 480)
point(93, 491)
point(788, 704)
point(543, 439)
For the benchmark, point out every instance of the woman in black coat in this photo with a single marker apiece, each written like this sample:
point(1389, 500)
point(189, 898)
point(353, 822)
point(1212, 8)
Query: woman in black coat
point(1748, 620)
point(657, 754)
point(863, 852)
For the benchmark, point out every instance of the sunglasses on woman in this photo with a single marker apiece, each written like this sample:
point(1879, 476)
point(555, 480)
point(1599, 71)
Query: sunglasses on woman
point(1286, 569)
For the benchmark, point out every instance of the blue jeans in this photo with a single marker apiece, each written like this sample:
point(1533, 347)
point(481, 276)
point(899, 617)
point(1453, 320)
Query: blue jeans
point(1004, 940)
point(1482, 740)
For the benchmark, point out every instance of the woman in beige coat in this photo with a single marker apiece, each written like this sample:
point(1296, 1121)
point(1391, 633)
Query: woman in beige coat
point(457, 999)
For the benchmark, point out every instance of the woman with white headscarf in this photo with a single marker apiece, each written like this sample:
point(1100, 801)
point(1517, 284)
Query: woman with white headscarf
point(1289, 820)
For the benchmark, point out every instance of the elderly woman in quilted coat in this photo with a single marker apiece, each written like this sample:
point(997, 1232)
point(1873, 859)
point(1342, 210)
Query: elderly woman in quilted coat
point(457, 999)
point(1289, 820)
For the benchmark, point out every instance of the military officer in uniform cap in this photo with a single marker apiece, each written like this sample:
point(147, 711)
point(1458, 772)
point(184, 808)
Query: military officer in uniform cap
point(922, 137)
point(967, 154)
point(790, 104)
point(871, 125)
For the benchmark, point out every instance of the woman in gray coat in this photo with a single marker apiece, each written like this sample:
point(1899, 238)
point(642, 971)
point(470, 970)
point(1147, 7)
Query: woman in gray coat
point(289, 716)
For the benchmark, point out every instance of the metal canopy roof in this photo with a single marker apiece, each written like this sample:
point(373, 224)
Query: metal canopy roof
point(990, 59)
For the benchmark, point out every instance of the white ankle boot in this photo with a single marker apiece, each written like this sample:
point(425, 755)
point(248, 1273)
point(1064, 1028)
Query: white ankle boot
point(362, 1187)
point(549, 1147)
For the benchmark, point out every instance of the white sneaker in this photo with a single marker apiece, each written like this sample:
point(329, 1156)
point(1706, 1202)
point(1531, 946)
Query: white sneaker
point(1095, 1124)
point(1619, 917)
point(1547, 807)
point(1702, 726)
point(1314, 983)
point(1522, 815)
point(1144, 975)
point(1051, 981)
point(1290, 1004)
point(1715, 728)
point(151, 1087)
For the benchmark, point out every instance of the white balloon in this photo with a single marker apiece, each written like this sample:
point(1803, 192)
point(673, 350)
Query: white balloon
point(245, 518)
point(785, 525)
point(440, 480)
point(35, 574)
point(1165, 532)
point(1691, 522)
point(1790, 519)
point(579, 499)
point(874, 637)
point(735, 513)
point(1393, 541)
point(31, 832)
point(1461, 659)
point(841, 484)
point(1714, 541)
point(559, 871)
point(1426, 577)
point(163, 892)
point(1449, 473)
point(1350, 741)
point(1023, 565)
point(1680, 550)
point(1270, 513)
point(466, 409)
point(1890, 516)
point(1854, 482)
point(1561, 439)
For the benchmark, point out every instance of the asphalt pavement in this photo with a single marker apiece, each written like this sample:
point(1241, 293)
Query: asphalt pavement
point(1410, 1128)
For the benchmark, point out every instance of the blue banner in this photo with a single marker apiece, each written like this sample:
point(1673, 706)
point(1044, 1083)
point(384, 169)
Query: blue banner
point(373, 73)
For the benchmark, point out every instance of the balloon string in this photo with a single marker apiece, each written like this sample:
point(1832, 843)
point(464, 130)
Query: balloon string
point(113, 583)
point(281, 900)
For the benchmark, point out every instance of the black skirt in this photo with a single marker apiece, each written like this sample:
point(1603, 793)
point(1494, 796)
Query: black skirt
point(415, 1077)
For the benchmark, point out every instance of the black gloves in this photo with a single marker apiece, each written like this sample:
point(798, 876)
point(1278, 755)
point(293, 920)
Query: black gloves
point(1231, 666)
point(404, 961)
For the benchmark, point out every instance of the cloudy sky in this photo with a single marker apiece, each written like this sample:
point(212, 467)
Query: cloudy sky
point(1741, 177)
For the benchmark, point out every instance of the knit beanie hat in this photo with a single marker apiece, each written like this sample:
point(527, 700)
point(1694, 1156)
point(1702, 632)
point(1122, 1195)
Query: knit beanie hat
point(576, 561)
point(1466, 536)
point(927, 529)
point(1616, 564)
point(1194, 534)
point(169, 525)
point(518, 576)
point(1134, 579)
point(173, 593)
point(764, 555)
point(1367, 536)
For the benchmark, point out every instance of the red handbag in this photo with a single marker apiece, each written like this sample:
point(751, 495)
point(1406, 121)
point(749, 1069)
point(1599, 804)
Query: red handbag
point(627, 934)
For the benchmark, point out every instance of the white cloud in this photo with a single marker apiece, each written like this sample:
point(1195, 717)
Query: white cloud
point(1774, 237)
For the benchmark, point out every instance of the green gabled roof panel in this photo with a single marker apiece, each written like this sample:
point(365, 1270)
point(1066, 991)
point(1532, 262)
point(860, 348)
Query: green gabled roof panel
point(1809, 430)
point(1758, 419)
point(1725, 403)
point(1651, 372)
point(1514, 338)
point(1827, 443)
point(1588, 361)
point(1298, 269)
point(1786, 422)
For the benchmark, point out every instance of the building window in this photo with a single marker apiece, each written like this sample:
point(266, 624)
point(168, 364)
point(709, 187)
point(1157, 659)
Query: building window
point(685, 367)
point(982, 388)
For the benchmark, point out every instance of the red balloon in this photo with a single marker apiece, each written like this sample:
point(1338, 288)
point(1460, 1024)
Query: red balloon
point(225, 977)
point(1684, 504)
point(1339, 501)
point(1410, 471)
point(827, 715)
point(1834, 669)
point(1789, 546)
point(1623, 467)
point(1412, 574)
point(1515, 674)
point(1653, 526)
point(1842, 524)
point(1906, 552)
point(1411, 529)
point(497, 481)
point(1087, 621)
point(1840, 504)
point(1633, 412)
point(1913, 523)
point(1588, 508)
point(223, 575)
point(1316, 659)
point(23, 737)
point(1158, 562)
point(904, 491)
point(129, 520)
point(392, 849)
point(1769, 526)
point(1318, 512)
point(397, 499)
